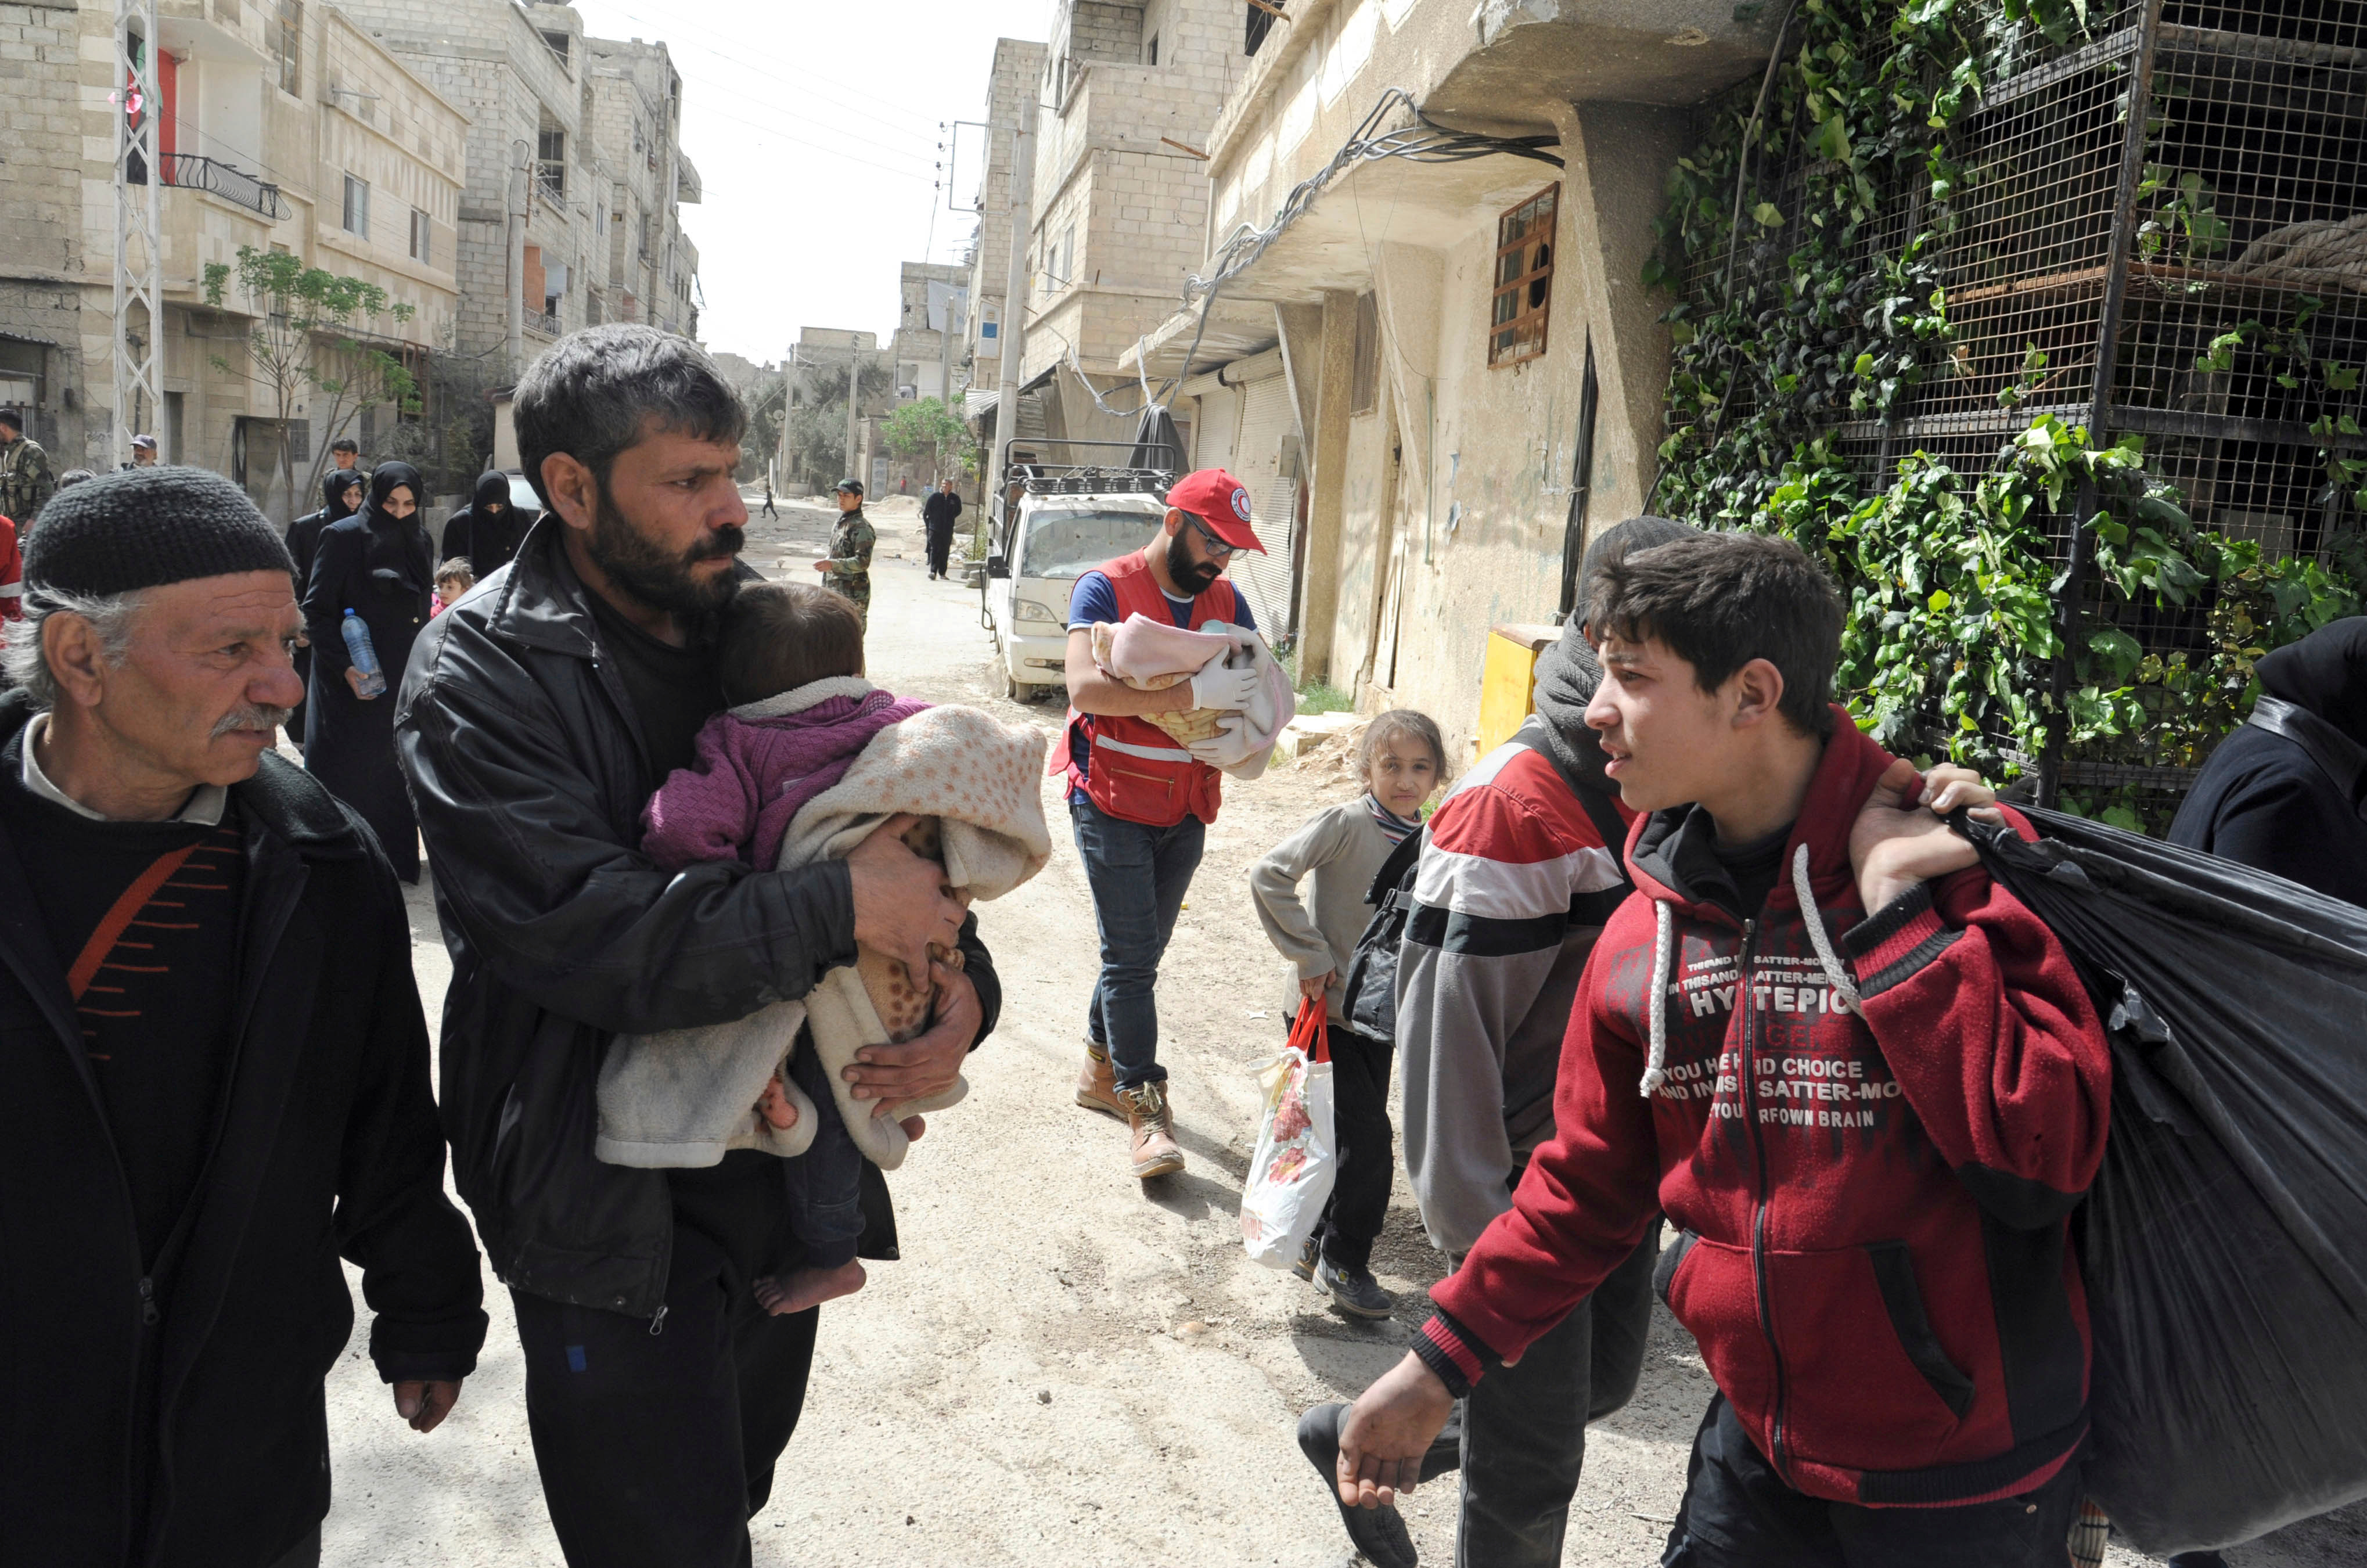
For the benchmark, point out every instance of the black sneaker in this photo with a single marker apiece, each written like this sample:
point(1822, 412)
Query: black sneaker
point(1353, 1290)
point(1304, 1267)
point(1378, 1533)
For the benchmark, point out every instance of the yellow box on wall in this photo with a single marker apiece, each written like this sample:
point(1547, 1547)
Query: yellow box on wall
point(1508, 679)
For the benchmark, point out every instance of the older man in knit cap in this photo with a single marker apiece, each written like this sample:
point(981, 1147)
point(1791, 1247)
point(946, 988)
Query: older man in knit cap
point(213, 1058)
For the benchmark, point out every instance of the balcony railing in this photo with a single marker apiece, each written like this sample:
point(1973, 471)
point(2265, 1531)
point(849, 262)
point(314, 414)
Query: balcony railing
point(195, 173)
point(545, 322)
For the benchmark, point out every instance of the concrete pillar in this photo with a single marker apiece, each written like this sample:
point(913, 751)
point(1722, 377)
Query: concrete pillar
point(1619, 156)
point(1327, 465)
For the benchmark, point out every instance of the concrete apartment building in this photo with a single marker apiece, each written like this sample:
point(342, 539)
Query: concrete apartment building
point(277, 126)
point(1449, 372)
point(932, 299)
point(1120, 211)
point(570, 217)
point(651, 271)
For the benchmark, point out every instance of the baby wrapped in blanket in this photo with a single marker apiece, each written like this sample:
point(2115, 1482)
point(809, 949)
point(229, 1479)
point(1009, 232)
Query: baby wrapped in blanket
point(811, 762)
point(1152, 656)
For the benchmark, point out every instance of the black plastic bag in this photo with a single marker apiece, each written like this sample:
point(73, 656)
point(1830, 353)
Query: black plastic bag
point(2225, 1240)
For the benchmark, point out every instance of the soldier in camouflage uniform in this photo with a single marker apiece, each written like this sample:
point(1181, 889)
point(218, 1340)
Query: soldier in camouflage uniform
point(25, 483)
point(847, 568)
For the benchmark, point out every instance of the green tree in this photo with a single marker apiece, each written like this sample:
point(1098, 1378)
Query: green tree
point(310, 336)
point(927, 425)
point(817, 426)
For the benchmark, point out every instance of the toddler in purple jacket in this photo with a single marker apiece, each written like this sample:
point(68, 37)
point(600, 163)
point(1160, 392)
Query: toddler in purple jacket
point(791, 663)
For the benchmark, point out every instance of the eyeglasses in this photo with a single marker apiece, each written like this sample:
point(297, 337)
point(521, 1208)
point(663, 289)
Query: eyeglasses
point(1217, 549)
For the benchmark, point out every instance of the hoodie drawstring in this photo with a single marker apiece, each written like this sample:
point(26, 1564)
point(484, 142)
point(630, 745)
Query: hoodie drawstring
point(1843, 987)
point(1664, 952)
point(1664, 927)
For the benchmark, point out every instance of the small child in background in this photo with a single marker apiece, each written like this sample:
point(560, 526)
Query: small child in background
point(452, 579)
point(1401, 761)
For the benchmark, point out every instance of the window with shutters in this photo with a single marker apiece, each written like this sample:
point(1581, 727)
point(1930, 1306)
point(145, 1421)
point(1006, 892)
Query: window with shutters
point(1524, 283)
point(288, 45)
point(1365, 378)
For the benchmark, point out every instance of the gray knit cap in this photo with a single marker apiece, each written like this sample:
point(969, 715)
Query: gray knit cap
point(144, 527)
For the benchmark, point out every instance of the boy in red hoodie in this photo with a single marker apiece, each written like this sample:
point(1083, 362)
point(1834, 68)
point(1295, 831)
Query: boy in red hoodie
point(1862, 1082)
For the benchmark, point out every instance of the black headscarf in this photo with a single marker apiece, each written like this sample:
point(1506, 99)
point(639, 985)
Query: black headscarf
point(1566, 674)
point(492, 490)
point(2326, 674)
point(334, 484)
point(399, 544)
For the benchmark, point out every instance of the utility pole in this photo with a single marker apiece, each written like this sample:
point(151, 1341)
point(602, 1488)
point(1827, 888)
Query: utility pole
point(957, 320)
point(521, 197)
point(139, 248)
point(788, 407)
point(854, 411)
point(1015, 290)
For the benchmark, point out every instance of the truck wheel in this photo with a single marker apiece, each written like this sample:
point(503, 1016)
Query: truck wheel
point(1012, 689)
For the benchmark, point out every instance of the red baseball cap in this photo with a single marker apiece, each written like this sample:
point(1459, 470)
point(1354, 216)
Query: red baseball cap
point(1222, 505)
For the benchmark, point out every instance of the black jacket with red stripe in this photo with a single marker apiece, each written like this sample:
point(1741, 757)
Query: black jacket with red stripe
point(1871, 1154)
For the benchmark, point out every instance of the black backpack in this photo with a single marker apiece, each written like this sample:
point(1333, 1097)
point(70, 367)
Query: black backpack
point(1369, 996)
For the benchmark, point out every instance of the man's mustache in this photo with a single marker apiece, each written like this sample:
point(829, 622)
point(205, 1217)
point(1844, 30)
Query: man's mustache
point(257, 717)
point(727, 542)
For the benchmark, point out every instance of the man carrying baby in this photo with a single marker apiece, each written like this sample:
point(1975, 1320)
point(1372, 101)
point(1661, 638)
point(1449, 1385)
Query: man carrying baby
point(1139, 801)
point(533, 723)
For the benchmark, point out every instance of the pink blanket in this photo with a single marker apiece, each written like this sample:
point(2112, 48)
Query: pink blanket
point(757, 765)
point(1141, 649)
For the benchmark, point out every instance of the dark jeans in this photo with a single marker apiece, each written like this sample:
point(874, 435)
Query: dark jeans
point(1739, 1514)
point(941, 544)
point(826, 1182)
point(658, 1446)
point(1360, 1103)
point(1138, 876)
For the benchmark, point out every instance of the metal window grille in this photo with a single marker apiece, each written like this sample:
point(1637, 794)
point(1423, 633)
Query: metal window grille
point(1523, 282)
point(1261, 14)
point(192, 172)
point(1364, 376)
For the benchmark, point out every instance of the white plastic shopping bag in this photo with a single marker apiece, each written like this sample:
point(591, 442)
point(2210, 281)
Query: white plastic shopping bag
point(1299, 1151)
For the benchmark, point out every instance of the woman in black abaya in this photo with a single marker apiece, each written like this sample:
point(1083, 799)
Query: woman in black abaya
point(341, 496)
point(487, 531)
point(378, 563)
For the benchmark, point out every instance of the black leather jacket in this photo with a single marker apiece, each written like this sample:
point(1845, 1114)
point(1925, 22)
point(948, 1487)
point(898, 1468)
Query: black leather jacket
point(528, 769)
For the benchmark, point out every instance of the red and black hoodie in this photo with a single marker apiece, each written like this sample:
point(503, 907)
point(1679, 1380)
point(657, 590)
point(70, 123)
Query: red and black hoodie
point(1870, 1132)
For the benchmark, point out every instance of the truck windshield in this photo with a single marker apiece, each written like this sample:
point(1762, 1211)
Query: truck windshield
point(1065, 543)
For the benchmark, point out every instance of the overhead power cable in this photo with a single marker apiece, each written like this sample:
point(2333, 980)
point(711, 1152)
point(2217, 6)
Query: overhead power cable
point(1424, 142)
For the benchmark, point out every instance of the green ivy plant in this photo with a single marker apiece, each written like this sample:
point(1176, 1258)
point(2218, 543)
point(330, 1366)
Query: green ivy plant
point(1808, 314)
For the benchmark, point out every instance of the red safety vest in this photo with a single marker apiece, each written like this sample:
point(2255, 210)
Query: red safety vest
point(1137, 772)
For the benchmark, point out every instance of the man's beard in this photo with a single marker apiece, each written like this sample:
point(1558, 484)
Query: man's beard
point(1188, 576)
point(650, 575)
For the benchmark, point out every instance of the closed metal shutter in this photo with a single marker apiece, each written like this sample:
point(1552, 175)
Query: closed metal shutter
point(1265, 460)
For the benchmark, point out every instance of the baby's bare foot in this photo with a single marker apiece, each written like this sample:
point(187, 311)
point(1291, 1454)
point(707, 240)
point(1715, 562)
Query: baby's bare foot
point(800, 1289)
point(776, 1106)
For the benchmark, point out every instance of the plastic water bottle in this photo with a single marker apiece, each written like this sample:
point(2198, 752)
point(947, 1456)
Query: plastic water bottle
point(357, 643)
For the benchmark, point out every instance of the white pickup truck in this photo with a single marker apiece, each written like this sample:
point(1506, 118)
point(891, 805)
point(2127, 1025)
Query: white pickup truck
point(1051, 541)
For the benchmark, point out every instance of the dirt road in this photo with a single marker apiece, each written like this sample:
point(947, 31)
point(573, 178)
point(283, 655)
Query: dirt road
point(1068, 1367)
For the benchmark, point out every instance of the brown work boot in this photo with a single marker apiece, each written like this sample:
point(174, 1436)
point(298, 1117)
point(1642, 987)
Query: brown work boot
point(1097, 1087)
point(1153, 1152)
